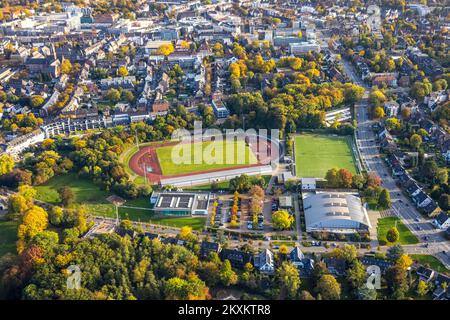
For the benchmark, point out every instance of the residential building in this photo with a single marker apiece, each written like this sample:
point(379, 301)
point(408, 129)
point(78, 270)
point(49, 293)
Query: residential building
point(442, 221)
point(237, 258)
point(264, 261)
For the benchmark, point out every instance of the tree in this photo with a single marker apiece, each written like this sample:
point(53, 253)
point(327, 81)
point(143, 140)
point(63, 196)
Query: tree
point(377, 98)
point(348, 252)
point(396, 282)
point(393, 235)
point(440, 84)
point(283, 249)
point(113, 95)
point(353, 93)
point(166, 49)
point(127, 95)
point(421, 89)
point(289, 278)
point(227, 276)
point(378, 112)
point(306, 295)
point(122, 72)
point(442, 176)
point(358, 181)
point(444, 201)
point(218, 49)
point(422, 288)
point(37, 101)
point(356, 274)
point(345, 177)
point(415, 141)
point(406, 112)
point(186, 233)
point(404, 262)
point(282, 220)
point(393, 124)
point(332, 177)
point(328, 287)
point(395, 252)
point(6, 163)
point(56, 215)
point(191, 289)
point(384, 199)
point(66, 195)
point(430, 170)
point(422, 132)
point(33, 221)
point(66, 66)
point(17, 204)
point(373, 180)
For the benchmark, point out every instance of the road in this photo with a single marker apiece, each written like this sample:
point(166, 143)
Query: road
point(402, 207)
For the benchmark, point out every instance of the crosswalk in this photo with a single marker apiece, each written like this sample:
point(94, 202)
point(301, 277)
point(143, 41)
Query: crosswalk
point(387, 213)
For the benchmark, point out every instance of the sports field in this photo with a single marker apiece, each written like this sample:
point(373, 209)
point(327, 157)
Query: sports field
point(315, 154)
point(177, 159)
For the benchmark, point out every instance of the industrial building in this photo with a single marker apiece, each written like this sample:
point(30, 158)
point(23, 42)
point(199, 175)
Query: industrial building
point(338, 212)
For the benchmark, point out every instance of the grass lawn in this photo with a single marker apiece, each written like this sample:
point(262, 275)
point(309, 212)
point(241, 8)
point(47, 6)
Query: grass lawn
point(86, 193)
point(316, 154)
point(196, 223)
point(94, 199)
point(215, 156)
point(430, 261)
point(384, 224)
point(8, 237)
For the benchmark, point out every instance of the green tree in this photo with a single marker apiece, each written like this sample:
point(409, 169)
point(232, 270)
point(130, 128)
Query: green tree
point(166, 49)
point(289, 278)
point(282, 220)
point(122, 71)
point(66, 195)
point(66, 66)
point(384, 199)
point(36, 101)
point(395, 252)
point(415, 141)
point(422, 288)
point(393, 235)
point(6, 163)
point(227, 276)
point(113, 95)
point(356, 274)
point(328, 287)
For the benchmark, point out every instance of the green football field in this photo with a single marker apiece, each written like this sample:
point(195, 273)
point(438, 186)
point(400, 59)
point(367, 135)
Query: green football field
point(215, 155)
point(316, 154)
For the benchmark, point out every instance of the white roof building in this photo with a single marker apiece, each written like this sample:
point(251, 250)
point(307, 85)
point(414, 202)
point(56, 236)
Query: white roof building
point(334, 212)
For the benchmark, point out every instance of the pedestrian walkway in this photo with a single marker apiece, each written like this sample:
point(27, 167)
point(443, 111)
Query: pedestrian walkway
point(387, 213)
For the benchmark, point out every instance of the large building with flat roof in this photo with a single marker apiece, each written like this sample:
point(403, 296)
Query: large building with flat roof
point(339, 212)
point(180, 203)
